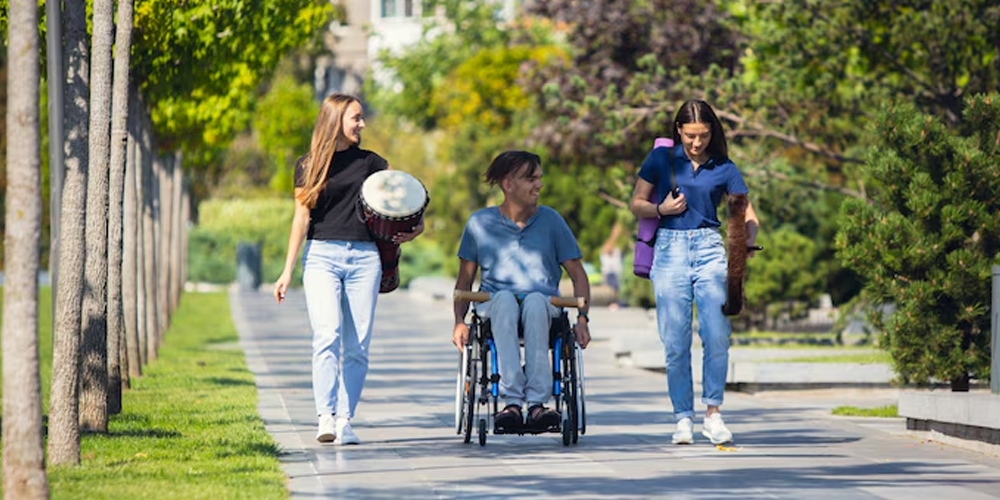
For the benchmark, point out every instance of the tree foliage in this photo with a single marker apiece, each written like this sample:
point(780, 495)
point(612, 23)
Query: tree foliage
point(927, 240)
point(789, 271)
point(624, 55)
point(199, 62)
point(283, 123)
point(461, 79)
point(465, 28)
point(794, 82)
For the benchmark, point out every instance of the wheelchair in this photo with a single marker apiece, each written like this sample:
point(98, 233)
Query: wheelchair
point(478, 382)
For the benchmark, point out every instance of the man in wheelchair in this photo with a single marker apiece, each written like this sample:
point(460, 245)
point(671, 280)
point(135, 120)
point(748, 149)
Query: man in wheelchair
point(520, 247)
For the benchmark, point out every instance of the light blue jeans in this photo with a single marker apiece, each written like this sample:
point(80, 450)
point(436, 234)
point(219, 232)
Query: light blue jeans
point(341, 282)
point(533, 385)
point(690, 267)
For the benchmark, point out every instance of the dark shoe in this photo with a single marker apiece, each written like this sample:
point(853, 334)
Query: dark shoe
point(508, 420)
point(540, 417)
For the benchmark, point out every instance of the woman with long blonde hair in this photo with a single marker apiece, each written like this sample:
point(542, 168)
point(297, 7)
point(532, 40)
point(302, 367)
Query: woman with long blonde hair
point(341, 265)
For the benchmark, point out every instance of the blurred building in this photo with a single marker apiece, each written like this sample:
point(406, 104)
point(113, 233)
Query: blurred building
point(365, 29)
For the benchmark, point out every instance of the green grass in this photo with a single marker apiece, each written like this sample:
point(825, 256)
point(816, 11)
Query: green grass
point(189, 426)
point(887, 411)
point(778, 340)
point(861, 358)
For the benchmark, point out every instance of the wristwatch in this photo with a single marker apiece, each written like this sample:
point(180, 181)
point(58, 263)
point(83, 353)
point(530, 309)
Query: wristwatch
point(582, 314)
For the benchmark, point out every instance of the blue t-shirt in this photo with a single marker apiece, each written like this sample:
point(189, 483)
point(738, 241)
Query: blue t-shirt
point(521, 260)
point(703, 188)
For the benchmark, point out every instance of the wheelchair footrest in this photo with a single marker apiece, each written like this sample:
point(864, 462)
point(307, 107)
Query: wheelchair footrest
point(526, 429)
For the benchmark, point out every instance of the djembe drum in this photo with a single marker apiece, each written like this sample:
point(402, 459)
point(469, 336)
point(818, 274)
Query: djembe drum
point(391, 202)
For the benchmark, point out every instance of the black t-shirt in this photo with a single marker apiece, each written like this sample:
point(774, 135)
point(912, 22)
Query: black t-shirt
point(335, 216)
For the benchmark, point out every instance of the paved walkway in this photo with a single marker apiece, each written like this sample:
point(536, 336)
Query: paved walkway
point(788, 445)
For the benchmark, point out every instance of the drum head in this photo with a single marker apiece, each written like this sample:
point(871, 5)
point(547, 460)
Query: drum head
point(392, 193)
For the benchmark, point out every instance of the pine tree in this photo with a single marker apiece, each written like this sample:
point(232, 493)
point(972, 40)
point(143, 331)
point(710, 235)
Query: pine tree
point(925, 240)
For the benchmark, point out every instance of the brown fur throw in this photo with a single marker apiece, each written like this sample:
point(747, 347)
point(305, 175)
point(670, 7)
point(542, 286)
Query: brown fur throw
point(736, 242)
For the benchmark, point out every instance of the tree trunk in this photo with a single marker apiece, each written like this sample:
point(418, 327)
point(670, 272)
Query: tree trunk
point(960, 383)
point(94, 344)
point(150, 167)
point(116, 194)
point(142, 156)
point(23, 457)
point(176, 251)
point(64, 431)
point(130, 295)
point(185, 217)
point(165, 224)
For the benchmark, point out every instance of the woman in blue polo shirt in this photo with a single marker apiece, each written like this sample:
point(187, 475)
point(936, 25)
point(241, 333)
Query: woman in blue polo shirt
point(689, 264)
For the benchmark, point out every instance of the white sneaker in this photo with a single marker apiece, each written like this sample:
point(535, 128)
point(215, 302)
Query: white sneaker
point(346, 435)
point(327, 429)
point(715, 429)
point(685, 432)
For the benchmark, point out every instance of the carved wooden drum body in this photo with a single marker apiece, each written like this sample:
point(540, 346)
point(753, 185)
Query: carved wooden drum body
point(392, 202)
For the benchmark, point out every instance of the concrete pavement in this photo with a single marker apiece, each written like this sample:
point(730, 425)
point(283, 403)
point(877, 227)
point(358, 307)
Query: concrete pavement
point(787, 443)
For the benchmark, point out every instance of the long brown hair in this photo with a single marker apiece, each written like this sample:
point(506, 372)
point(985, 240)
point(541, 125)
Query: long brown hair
point(328, 129)
point(697, 111)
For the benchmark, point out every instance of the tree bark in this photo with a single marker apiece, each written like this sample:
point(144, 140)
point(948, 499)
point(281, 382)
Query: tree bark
point(150, 167)
point(116, 194)
point(64, 431)
point(185, 217)
point(130, 295)
point(142, 156)
point(176, 266)
point(176, 250)
point(166, 226)
point(94, 347)
point(23, 457)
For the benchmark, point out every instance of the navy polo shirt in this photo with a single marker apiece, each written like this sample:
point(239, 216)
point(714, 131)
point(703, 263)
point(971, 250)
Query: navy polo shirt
point(703, 188)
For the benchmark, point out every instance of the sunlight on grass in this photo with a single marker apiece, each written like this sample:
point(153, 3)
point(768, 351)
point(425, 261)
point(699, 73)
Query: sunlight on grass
point(864, 358)
point(888, 411)
point(189, 427)
point(778, 340)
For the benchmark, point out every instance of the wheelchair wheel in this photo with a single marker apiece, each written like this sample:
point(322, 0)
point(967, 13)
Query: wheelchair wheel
point(580, 393)
point(569, 386)
point(567, 425)
point(460, 377)
point(482, 432)
point(574, 394)
point(471, 380)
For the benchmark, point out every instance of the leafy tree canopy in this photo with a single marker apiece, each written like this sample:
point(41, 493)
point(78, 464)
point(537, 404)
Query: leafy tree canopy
point(623, 58)
point(417, 73)
point(200, 62)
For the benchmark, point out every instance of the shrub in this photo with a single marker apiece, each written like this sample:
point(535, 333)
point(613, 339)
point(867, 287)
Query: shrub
point(223, 224)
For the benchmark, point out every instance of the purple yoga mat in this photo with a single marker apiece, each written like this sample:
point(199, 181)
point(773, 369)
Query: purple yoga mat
point(643, 259)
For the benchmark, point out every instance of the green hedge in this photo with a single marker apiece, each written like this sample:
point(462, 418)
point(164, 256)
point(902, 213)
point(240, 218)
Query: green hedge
point(223, 224)
point(635, 291)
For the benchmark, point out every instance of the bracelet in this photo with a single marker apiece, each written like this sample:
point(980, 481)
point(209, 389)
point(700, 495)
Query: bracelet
point(582, 314)
point(658, 214)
